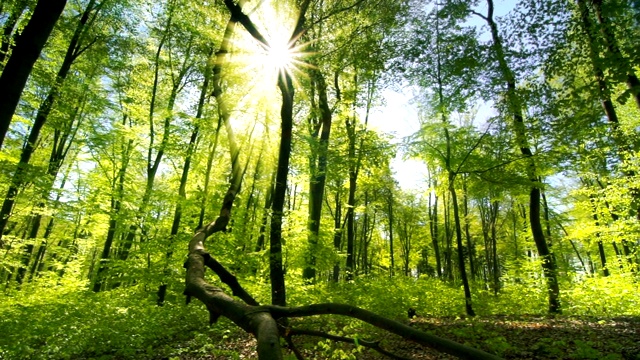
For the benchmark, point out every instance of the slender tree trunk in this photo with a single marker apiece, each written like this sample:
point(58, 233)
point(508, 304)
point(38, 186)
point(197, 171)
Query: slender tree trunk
point(117, 195)
point(249, 218)
point(351, 215)
point(369, 258)
point(268, 202)
point(515, 109)
point(448, 253)
point(354, 169)
point(278, 290)
point(434, 232)
point(27, 50)
point(603, 89)
point(494, 246)
point(177, 215)
point(337, 235)
point(362, 256)
point(318, 175)
point(207, 176)
point(601, 253)
point(488, 259)
point(462, 268)
point(467, 230)
point(391, 222)
point(153, 163)
point(182, 193)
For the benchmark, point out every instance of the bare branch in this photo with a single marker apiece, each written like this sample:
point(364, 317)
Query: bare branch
point(479, 15)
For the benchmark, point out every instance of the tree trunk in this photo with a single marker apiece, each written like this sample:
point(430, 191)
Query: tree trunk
point(433, 222)
point(28, 47)
point(601, 253)
point(467, 230)
point(207, 175)
point(604, 92)
point(461, 266)
point(153, 163)
point(278, 292)
point(337, 236)
point(268, 202)
point(182, 194)
point(448, 252)
point(318, 175)
point(494, 207)
point(390, 215)
point(362, 251)
point(117, 195)
point(515, 109)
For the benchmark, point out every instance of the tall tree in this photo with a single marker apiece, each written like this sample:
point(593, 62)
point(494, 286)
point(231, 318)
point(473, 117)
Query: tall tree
point(515, 110)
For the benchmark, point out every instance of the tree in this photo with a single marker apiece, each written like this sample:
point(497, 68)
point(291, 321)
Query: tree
point(514, 108)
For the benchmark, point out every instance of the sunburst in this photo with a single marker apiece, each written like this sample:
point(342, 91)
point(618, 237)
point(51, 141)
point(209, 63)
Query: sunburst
point(254, 67)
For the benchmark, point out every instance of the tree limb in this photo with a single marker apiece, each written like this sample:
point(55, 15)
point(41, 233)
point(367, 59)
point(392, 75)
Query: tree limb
point(374, 345)
point(407, 332)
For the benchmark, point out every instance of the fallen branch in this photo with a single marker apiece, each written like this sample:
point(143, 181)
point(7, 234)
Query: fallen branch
point(374, 345)
point(261, 320)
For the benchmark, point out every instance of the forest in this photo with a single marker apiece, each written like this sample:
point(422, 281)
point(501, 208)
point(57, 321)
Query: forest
point(494, 212)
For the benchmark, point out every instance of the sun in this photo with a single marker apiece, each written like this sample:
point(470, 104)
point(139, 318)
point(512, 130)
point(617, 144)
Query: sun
point(280, 56)
point(255, 67)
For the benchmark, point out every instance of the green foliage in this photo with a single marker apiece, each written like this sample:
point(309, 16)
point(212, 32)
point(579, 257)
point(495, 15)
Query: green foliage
point(613, 296)
point(64, 324)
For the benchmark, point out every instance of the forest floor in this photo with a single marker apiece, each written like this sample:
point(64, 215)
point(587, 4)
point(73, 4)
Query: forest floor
point(512, 337)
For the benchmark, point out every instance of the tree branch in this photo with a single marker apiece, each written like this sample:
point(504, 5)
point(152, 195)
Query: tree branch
point(407, 332)
point(229, 279)
point(374, 345)
point(479, 15)
point(238, 15)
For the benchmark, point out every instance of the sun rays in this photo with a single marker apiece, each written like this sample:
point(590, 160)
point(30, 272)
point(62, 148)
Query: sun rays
point(252, 68)
point(262, 64)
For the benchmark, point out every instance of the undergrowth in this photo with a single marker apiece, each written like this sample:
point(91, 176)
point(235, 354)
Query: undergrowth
point(68, 322)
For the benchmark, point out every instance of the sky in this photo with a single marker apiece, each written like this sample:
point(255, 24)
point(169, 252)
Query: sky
point(399, 117)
